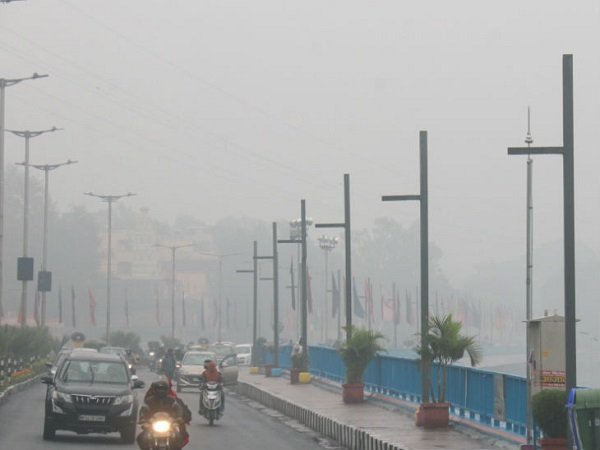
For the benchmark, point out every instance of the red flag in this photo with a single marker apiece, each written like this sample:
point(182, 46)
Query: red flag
point(92, 308)
point(335, 297)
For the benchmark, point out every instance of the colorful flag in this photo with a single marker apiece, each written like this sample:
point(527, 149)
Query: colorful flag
point(357, 306)
point(126, 308)
point(73, 316)
point(293, 286)
point(335, 297)
point(92, 308)
point(369, 298)
point(409, 311)
point(60, 304)
point(397, 309)
point(36, 308)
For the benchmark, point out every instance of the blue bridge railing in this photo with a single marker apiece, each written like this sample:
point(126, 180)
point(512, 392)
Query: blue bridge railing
point(494, 399)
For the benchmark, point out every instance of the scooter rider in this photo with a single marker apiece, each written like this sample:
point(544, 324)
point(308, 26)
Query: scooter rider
point(158, 400)
point(212, 375)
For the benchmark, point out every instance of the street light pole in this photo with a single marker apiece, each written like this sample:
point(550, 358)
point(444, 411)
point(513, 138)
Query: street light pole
point(327, 244)
point(254, 273)
point(220, 305)
point(110, 199)
point(348, 252)
point(45, 288)
point(173, 249)
point(27, 135)
point(567, 151)
point(424, 221)
point(4, 83)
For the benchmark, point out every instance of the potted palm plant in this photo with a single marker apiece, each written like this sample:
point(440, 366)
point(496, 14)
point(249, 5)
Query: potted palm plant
point(356, 353)
point(442, 345)
point(548, 408)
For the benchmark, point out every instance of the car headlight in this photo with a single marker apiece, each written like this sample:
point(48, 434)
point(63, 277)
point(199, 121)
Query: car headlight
point(66, 398)
point(123, 399)
point(161, 426)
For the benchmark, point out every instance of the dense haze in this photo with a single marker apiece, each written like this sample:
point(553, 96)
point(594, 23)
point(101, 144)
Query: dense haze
point(217, 109)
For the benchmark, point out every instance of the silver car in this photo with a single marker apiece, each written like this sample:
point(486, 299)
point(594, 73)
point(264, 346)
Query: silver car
point(188, 372)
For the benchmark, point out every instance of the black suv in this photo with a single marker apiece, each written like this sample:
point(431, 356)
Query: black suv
point(91, 393)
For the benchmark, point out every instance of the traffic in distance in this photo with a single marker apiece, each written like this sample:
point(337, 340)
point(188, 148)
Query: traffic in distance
point(95, 390)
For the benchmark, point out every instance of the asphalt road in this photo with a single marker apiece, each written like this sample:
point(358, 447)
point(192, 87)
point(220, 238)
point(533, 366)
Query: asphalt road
point(245, 425)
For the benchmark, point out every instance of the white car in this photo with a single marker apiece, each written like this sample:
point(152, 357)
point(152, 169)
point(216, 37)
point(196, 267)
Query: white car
point(244, 354)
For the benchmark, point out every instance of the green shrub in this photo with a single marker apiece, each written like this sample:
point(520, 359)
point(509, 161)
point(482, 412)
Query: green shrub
point(549, 412)
point(362, 347)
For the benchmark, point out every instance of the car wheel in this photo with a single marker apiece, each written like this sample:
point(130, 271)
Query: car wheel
point(49, 430)
point(128, 434)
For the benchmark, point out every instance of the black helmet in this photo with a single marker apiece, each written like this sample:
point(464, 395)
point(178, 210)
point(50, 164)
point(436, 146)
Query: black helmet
point(160, 388)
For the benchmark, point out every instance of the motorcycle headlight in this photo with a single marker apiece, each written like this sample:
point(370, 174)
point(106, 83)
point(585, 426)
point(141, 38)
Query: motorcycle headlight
point(66, 398)
point(123, 399)
point(161, 426)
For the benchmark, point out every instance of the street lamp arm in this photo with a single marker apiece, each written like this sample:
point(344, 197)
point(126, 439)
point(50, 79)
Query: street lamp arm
point(30, 134)
point(12, 81)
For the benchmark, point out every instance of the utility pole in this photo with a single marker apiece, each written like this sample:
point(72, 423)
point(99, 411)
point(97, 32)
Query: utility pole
point(173, 249)
point(110, 199)
point(567, 151)
point(4, 83)
point(45, 277)
point(27, 135)
point(424, 220)
point(254, 273)
point(348, 253)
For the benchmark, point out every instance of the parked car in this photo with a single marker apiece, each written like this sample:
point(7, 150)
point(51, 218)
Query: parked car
point(91, 393)
point(244, 354)
point(189, 370)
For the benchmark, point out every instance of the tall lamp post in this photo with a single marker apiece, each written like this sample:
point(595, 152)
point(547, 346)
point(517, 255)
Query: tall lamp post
point(110, 199)
point(423, 199)
point(220, 306)
point(254, 273)
point(327, 244)
point(45, 277)
point(4, 83)
point(173, 249)
point(27, 135)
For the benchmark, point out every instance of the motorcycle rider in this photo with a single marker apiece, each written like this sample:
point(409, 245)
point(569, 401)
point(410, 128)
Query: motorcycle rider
point(211, 374)
point(157, 399)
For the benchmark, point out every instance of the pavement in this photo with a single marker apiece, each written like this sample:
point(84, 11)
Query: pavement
point(377, 423)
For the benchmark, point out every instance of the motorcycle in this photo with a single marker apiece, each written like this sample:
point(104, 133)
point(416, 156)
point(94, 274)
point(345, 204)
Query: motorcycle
point(210, 401)
point(163, 432)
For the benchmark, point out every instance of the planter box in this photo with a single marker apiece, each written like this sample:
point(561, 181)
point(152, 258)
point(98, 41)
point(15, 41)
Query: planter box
point(276, 372)
point(304, 377)
point(353, 392)
point(553, 444)
point(433, 415)
point(254, 370)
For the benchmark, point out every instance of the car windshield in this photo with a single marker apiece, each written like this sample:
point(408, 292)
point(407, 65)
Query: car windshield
point(95, 372)
point(196, 359)
point(243, 349)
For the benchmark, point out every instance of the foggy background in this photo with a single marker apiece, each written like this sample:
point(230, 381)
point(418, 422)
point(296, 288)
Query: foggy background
point(235, 110)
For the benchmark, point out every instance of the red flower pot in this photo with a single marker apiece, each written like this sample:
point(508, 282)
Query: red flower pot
point(553, 444)
point(353, 392)
point(433, 415)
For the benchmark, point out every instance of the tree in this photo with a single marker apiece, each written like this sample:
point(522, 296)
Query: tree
point(128, 340)
point(443, 345)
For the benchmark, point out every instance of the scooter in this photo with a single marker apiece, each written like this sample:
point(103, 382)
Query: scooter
point(210, 401)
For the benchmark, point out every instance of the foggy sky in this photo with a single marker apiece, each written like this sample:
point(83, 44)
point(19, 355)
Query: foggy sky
point(241, 108)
